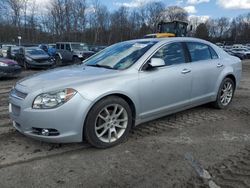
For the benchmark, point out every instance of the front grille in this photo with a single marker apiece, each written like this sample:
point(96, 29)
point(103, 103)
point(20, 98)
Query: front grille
point(44, 60)
point(18, 94)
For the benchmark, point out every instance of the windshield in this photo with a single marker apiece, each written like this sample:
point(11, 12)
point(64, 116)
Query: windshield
point(35, 52)
point(179, 29)
point(168, 28)
point(80, 46)
point(121, 55)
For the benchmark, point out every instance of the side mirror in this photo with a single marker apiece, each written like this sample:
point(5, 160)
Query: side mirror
point(157, 62)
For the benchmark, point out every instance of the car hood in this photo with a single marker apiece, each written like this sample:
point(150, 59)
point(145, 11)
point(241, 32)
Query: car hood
point(8, 61)
point(71, 76)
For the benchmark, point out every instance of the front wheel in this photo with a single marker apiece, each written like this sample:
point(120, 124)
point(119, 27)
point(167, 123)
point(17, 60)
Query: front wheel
point(58, 60)
point(26, 65)
point(225, 93)
point(108, 122)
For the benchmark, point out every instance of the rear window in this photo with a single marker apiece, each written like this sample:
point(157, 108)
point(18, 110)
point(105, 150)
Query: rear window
point(214, 55)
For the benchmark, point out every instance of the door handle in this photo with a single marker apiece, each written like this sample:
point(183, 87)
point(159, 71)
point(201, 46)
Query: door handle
point(185, 71)
point(219, 65)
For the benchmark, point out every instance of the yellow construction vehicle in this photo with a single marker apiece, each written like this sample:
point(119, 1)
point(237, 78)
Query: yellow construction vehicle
point(170, 29)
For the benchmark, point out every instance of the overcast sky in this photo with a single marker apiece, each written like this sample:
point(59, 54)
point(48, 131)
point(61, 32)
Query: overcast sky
point(207, 8)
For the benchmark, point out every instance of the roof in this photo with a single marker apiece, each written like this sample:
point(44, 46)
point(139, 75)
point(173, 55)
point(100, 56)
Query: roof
point(174, 39)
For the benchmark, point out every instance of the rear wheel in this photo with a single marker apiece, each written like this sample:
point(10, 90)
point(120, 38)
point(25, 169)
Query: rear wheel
point(108, 122)
point(225, 93)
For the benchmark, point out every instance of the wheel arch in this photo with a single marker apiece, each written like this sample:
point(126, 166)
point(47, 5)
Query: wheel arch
point(59, 54)
point(121, 95)
point(232, 77)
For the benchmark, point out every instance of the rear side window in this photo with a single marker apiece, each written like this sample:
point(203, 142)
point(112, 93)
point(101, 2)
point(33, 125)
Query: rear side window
point(214, 55)
point(171, 54)
point(67, 47)
point(199, 51)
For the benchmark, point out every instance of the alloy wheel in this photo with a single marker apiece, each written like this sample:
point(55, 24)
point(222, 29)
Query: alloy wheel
point(226, 93)
point(111, 123)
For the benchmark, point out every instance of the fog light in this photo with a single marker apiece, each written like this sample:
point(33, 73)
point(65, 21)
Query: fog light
point(45, 132)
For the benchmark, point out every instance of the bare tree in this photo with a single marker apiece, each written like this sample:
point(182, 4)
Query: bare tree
point(154, 12)
point(16, 7)
point(174, 13)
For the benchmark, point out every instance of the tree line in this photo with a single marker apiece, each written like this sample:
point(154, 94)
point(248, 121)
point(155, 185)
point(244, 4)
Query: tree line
point(94, 23)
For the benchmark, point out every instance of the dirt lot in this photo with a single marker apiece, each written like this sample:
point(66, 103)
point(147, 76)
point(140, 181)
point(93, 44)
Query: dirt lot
point(200, 147)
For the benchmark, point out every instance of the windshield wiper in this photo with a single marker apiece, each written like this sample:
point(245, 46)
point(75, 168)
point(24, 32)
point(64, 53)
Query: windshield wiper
point(102, 66)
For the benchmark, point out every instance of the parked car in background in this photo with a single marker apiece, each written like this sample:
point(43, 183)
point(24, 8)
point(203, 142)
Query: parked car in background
point(52, 50)
point(242, 53)
point(4, 49)
point(97, 48)
point(124, 85)
point(235, 46)
point(9, 68)
point(13, 51)
point(71, 52)
point(34, 57)
point(44, 47)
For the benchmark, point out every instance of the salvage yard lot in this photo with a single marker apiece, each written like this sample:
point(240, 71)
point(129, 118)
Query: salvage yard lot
point(168, 152)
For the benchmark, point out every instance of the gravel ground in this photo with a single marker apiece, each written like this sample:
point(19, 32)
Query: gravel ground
point(200, 147)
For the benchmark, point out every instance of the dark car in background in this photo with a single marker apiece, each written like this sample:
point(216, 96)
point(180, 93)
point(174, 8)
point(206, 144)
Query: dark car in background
point(9, 68)
point(97, 48)
point(242, 53)
point(34, 57)
point(12, 51)
point(72, 52)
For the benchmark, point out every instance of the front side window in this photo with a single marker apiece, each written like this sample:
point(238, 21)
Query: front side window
point(199, 51)
point(171, 54)
point(62, 46)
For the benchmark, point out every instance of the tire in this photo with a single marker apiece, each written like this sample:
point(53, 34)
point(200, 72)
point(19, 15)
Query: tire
point(225, 85)
point(76, 60)
point(102, 129)
point(26, 65)
point(58, 61)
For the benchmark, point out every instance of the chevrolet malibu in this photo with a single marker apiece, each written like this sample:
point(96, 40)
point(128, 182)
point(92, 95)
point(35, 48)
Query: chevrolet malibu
point(122, 86)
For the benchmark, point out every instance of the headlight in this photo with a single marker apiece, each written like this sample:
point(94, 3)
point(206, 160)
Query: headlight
point(53, 99)
point(29, 59)
point(3, 64)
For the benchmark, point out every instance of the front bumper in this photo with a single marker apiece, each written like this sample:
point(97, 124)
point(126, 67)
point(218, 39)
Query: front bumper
point(10, 71)
point(67, 119)
point(45, 64)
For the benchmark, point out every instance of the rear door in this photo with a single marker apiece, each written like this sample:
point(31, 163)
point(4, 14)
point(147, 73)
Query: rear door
point(166, 88)
point(206, 68)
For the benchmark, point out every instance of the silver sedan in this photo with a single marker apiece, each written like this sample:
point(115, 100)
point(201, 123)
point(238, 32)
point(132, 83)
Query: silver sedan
point(122, 86)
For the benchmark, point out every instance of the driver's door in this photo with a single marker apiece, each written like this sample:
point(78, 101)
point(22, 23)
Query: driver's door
point(165, 89)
